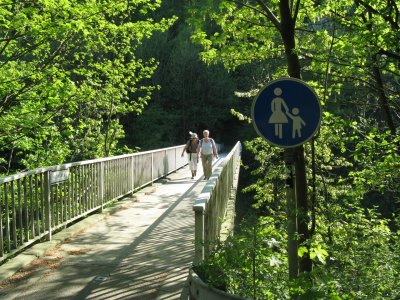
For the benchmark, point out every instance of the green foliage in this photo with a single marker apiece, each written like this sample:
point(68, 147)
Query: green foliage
point(362, 261)
point(250, 264)
point(76, 78)
point(355, 253)
point(192, 95)
point(349, 54)
point(68, 73)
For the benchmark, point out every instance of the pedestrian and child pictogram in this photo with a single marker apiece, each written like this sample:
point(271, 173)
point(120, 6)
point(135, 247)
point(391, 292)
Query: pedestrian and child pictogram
point(286, 112)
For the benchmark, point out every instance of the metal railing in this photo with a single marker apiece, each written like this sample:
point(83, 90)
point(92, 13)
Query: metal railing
point(34, 204)
point(211, 206)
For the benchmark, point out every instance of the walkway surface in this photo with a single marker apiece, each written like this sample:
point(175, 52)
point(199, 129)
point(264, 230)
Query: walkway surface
point(139, 248)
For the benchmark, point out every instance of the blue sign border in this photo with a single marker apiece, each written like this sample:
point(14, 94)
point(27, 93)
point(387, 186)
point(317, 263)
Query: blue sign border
point(306, 100)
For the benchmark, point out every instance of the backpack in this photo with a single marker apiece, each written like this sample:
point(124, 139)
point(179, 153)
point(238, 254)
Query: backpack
point(189, 147)
point(212, 142)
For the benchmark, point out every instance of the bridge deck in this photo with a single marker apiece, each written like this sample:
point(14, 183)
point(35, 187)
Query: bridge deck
point(140, 248)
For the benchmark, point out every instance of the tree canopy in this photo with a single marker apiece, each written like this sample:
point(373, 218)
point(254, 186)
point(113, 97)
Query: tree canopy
point(68, 73)
point(348, 52)
point(81, 79)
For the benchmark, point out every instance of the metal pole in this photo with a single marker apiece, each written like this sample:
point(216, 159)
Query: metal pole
point(101, 188)
point(291, 215)
point(47, 204)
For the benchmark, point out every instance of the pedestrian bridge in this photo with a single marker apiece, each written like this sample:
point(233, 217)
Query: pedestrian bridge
point(138, 222)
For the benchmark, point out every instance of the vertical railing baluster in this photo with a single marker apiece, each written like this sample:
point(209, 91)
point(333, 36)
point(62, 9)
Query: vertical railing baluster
point(42, 203)
point(89, 186)
point(99, 185)
point(68, 197)
point(84, 194)
point(37, 205)
point(53, 205)
point(47, 204)
point(105, 181)
point(101, 182)
point(119, 180)
point(79, 189)
point(77, 194)
point(116, 178)
point(61, 202)
point(7, 209)
point(1, 221)
point(132, 173)
point(112, 179)
point(152, 167)
point(72, 192)
point(124, 176)
point(13, 215)
point(93, 185)
point(20, 213)
point(65, 202)
point(25, 213)
point(120, 176)
point(58, 208)
point(32, 206)
point(86, 174)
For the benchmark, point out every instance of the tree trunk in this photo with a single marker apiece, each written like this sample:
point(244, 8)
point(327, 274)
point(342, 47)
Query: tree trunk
point(383, 99)
point(288, 37)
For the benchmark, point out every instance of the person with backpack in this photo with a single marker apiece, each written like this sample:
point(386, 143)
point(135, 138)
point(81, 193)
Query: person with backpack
point(207, 150)
point(191, 150)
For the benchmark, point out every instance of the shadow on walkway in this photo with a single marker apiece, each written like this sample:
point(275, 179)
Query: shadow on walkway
point(141, 248)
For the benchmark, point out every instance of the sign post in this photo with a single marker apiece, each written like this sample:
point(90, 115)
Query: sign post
point(286, 113)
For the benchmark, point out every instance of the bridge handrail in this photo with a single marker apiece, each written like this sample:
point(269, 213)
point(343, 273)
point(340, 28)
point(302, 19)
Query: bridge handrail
point(79, 163)
point(35, 203)
point(211, 205)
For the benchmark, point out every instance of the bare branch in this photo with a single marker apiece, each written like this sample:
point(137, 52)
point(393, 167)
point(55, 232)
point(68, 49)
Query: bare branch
point(270, 15)
point(296, 11)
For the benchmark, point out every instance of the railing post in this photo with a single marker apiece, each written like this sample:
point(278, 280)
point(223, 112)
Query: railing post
point(198, 235)
point(47, 200)
point(101, 180)
point(132, 173)
point(152, 168)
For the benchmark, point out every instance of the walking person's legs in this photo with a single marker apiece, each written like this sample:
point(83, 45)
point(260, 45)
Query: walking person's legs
point(206, 161)
point(193, 164)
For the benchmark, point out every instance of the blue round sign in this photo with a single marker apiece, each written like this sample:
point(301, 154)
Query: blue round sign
point(286, 112)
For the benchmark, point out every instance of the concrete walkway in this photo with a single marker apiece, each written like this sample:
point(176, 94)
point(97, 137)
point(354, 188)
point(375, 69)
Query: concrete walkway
point(140, 248)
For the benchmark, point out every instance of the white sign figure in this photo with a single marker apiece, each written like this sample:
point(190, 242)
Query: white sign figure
point(298, 122)
point(278, 117)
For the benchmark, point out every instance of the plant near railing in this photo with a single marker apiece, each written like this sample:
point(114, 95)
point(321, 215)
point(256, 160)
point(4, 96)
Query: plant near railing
point(358, 259)
point(250, 264)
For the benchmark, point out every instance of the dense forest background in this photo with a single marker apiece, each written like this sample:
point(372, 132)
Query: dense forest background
point(87, 79)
